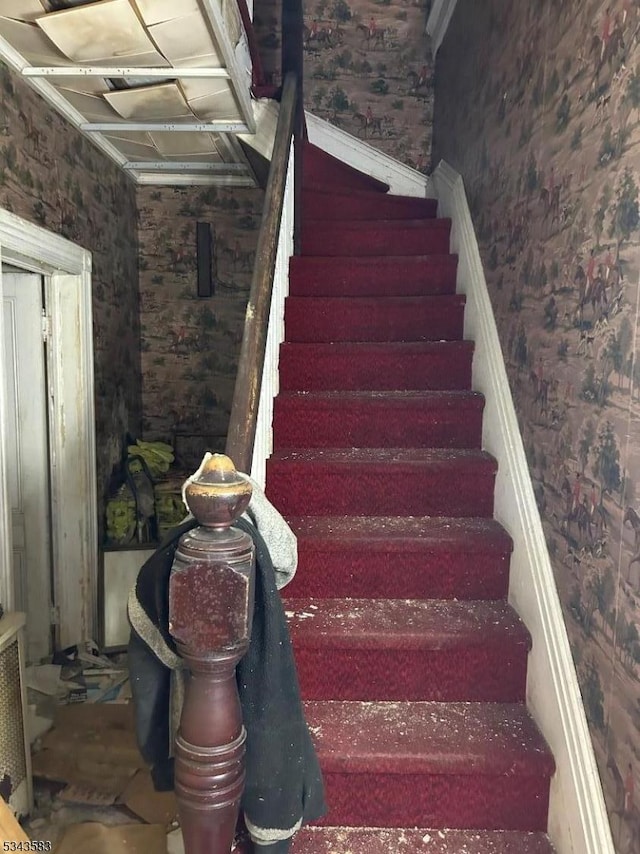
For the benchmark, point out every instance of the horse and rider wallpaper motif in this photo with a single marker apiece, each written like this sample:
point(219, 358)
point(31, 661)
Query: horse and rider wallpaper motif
point(369, 70)
point(538, 106)
point(190, 346)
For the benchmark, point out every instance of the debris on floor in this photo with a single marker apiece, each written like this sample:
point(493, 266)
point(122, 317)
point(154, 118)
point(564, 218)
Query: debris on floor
point(97, 757)
point(121, 839)
point(44, 678)
point(78, 675)
point(93, 791)
point(153, 807)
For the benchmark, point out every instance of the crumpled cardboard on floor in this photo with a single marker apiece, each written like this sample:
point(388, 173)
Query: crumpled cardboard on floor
point(91, 748)
point(141, 798)
point(118, 839)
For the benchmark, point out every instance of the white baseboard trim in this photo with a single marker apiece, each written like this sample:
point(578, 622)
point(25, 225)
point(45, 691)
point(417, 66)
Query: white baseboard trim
point(438, 22)
point(402, 180)
point(578, 821)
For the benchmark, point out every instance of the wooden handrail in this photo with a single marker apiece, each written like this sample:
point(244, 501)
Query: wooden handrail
point(246, 396)
point(293, 61)
point(259, 85)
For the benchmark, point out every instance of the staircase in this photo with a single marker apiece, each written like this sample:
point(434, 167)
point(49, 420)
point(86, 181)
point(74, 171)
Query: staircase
point(411, 663)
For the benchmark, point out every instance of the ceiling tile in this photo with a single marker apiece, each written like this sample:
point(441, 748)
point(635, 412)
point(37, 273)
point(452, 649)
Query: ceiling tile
point(22, 10)
point(185, 40)
point(31, 42)
point(183, 144)
point(105, 31)
point(94, 108)
point(150, 103)
point(220, 106)
point(157, 11)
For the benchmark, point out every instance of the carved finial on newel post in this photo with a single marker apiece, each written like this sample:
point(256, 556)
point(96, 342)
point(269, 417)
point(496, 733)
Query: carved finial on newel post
point(210, 613)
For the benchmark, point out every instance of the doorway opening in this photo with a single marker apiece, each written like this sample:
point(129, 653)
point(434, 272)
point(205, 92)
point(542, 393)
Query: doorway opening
point(55, 472)
point(27, 445)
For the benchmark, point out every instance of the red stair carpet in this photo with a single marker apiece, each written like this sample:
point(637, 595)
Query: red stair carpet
point(411, 662)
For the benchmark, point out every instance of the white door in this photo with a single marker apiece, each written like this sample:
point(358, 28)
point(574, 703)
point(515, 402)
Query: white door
point(27, 449)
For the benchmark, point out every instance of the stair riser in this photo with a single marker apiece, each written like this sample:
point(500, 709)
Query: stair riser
point(399, 575)
point(348, 371)
point(328, 206)
point(483, 802)
point(318, 489)
point(341, 320)
point(336, 242)
point(301, 424)
point(491, 672)
point(320, 170)
point(400, 277)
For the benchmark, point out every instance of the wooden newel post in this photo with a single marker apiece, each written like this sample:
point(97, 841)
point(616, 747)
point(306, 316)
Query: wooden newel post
point(210, 612)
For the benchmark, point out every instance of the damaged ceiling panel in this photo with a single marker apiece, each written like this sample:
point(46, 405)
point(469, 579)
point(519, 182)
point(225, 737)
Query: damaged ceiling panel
point(161, 86)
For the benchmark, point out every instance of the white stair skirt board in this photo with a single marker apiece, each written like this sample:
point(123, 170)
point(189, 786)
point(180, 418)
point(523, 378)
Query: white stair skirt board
point(439, 20)
point(263, 444)
point(402, 180)
point(67, 271)
point(578, 821)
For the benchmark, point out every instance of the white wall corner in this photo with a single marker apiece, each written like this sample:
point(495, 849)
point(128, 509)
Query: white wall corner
point(438, 21)
point(578, 820)
point(402, 179)
point(266, 113)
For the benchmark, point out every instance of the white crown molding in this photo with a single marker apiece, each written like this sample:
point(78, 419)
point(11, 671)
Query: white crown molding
point(578, 821)
point(438, 22)
point(402, 180)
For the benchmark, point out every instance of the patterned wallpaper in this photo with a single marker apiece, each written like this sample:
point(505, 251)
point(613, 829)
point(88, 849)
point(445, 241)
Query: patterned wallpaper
point(369, 70)
point(538, 105)
point(267, 25)
point(190, 346)
point(51, 175)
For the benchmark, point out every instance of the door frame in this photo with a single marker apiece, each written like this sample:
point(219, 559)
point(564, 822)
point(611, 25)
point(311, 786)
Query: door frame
point(66, 268)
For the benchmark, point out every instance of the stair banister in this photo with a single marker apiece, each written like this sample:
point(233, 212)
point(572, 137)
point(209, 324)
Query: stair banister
point(210, 614)
point(211, 585)
point(246, 397)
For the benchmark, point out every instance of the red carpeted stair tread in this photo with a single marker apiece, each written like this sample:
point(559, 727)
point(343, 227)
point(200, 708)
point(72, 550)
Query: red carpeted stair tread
point(403, 533)
point(376, 366)
point(392, 275)
point(411, 662)
point(390, 649)
point(465, 765)
point(401, 557)
point(394, 226)
point(377, 237)
point(377, 840)
point(412, 318)
point(433, 419)
point(427, 738)
point(320, 204)
point(401, 623)
point(382, 481)
point(322, 170)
